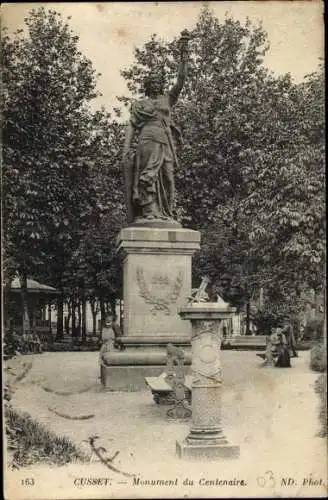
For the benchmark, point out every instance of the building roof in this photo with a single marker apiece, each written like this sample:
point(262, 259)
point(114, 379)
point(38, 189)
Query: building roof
point(33, 286)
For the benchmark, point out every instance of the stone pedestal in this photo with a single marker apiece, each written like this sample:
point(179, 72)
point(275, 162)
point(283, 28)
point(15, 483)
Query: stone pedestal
point(156, 284)
point(157, 280)
point(206, 438)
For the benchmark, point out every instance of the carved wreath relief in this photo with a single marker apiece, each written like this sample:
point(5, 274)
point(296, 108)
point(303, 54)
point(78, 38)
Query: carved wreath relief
point(162, 293)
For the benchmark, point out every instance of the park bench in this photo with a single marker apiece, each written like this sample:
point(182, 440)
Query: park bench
point(172, 387)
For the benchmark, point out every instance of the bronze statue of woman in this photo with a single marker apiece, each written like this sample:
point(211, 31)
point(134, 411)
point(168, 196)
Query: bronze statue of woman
point(149, 173)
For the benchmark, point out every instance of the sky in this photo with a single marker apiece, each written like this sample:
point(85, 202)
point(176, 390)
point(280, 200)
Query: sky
point(109, 32)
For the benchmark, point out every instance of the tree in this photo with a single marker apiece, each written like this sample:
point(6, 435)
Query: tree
point(97, 271)
point(251, 168)
point(47, 85)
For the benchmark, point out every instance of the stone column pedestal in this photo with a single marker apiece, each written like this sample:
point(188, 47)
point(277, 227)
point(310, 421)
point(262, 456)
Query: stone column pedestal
point(156, 284)
point(206, 438)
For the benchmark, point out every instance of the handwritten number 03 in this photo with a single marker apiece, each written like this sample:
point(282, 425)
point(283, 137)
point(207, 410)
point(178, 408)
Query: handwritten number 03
point(266, 480)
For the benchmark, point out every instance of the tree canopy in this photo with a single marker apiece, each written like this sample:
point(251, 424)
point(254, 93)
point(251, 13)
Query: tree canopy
point(251, 174)
point(61, 172)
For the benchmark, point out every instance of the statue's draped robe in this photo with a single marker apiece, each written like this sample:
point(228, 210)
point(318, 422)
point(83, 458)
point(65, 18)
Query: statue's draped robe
point(150, 184)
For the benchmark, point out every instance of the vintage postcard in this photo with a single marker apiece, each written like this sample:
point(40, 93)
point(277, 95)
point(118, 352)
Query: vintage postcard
point(163, 250)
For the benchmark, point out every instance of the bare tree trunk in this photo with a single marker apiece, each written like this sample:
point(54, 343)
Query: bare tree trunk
point(74, 329)
point(69, 316)
point(93, 305)
point(109, 311)
point(60, 318)
point(34, 317)
point(50, 319)
point(261, 298)
point(248, 318)
point(25, 312)
point(8, 278)
point(324, 311)
point(79, 316)
point(83, 309)
point(102, 316)
point(113, 306)
point(84, 319)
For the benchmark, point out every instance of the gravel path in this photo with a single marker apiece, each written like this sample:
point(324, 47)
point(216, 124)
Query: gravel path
point(271, 413)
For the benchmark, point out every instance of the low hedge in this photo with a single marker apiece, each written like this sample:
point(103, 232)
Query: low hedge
point(321, 390)
point(318, 359)
point(30, 442)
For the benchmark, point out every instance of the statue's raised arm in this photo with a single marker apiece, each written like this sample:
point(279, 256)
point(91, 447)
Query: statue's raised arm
point(183, 68)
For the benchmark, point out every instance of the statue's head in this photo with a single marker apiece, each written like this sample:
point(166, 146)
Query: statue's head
point(154, 84)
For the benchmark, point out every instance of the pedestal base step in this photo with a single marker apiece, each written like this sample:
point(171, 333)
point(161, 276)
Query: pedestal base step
point(127, 370)
point(140, 356)
point(206, 451)
point(127, 378)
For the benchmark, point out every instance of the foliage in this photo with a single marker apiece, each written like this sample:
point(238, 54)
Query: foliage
point(313, 330)
point(13, 376)
point(250, 175)
point(61, 176)
point(265, 321)
point(318, 360)
point(46, 86)
point(94, 261)
point(16, 344)
point(30, 442)
point(251, 168)
point(321, 390)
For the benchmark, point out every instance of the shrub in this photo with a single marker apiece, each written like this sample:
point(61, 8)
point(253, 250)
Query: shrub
point(318, 360)
point(321, 390)
point(313, 330)
point(30, 442)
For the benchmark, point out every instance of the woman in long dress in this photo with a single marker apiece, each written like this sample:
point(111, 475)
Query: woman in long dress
point(149, 173)
point(283, 358)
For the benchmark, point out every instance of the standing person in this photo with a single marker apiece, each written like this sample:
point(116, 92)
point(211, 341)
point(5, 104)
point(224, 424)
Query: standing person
point(224, 332)
point(149, 179)
point(108, 334)
point(108, 337)
point(283, 359)
point(288, 331)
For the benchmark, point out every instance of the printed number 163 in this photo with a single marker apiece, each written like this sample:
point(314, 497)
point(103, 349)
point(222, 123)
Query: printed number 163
point(28, 481)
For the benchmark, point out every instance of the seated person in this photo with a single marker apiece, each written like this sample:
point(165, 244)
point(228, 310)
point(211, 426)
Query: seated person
point(36, 343)
point(270, 352)
point(18, 344)
point(30, 342)
point(8, 343)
